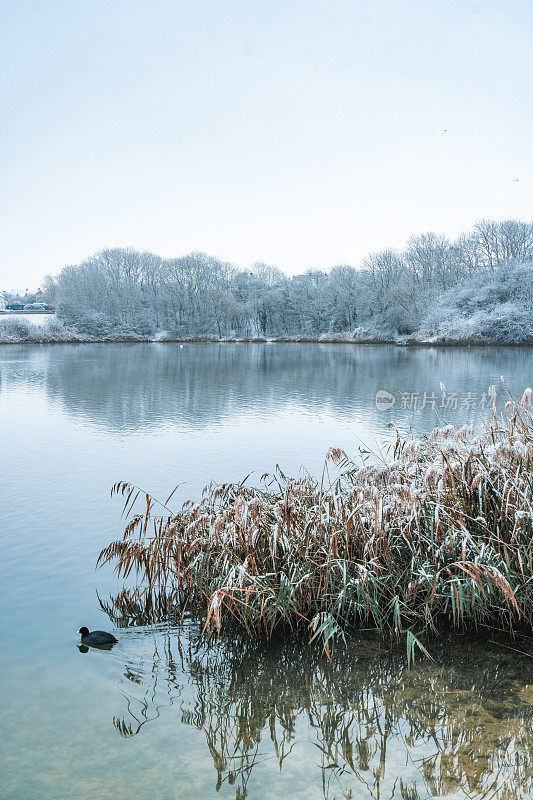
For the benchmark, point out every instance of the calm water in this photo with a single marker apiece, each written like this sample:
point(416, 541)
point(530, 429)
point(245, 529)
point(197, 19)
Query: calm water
point(164, 715)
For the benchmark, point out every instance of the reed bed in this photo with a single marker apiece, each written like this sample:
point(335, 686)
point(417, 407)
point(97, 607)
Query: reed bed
point(438, 536)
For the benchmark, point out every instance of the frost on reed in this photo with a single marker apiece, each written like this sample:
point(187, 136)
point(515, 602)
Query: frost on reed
point(440, 536)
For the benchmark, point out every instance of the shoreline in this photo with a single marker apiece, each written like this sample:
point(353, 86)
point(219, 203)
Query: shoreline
point(56, 332)
point(132, 339)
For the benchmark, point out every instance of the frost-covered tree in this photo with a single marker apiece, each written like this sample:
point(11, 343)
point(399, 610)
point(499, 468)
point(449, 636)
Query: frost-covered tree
point(495, 306)
point(428, 259)
point(502, 242)
point(118, 291)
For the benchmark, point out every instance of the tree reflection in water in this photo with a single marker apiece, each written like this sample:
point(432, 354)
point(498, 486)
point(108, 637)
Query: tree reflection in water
point(463, 724)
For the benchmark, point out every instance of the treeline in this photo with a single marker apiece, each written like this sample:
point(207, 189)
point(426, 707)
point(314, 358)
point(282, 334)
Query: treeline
point(392, 293)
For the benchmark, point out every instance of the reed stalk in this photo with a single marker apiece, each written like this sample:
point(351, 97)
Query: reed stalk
point(439, 536)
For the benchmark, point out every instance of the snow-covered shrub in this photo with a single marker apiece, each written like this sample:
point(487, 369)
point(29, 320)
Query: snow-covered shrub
point(16, 330)
point(342, 336)
point(492, 306)
point(451, 290)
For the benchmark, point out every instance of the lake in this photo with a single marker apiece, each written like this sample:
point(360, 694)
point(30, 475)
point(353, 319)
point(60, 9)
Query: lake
point(167, 714)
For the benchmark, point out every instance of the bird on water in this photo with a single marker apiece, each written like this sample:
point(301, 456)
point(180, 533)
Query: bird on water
point(96, 637)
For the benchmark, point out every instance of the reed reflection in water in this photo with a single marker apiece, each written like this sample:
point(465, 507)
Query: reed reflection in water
point(362, 724)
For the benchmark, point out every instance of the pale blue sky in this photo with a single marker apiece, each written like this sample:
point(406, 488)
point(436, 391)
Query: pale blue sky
point(300, 133)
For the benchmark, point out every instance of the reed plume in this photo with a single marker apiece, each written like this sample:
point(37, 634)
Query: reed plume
point(439, 536)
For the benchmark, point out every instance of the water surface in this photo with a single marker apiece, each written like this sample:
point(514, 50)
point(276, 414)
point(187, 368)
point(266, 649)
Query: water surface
point(167, 716)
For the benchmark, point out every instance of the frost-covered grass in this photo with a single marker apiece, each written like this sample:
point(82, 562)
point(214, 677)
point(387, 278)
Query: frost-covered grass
point(21, 330)
point(18, 329)
point(440, 536)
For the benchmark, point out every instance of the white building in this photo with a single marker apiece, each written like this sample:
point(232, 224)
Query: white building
point(2, 303)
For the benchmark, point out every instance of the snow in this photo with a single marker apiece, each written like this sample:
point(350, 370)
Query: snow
point(476, 289)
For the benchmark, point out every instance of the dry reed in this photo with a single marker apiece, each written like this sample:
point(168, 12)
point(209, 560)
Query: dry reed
point(439, 536)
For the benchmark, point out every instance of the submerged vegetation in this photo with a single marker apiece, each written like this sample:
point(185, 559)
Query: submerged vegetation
point(440, 536)
point(460, 726)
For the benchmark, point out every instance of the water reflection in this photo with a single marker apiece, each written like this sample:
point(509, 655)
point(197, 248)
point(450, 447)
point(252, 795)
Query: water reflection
point(364, 725)
point(135, 386)
point(74, 419)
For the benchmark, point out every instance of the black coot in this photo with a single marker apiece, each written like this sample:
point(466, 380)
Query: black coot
point(96, 638)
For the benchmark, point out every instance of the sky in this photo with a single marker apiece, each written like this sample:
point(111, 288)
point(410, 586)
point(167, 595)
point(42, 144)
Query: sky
point(301, 133)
